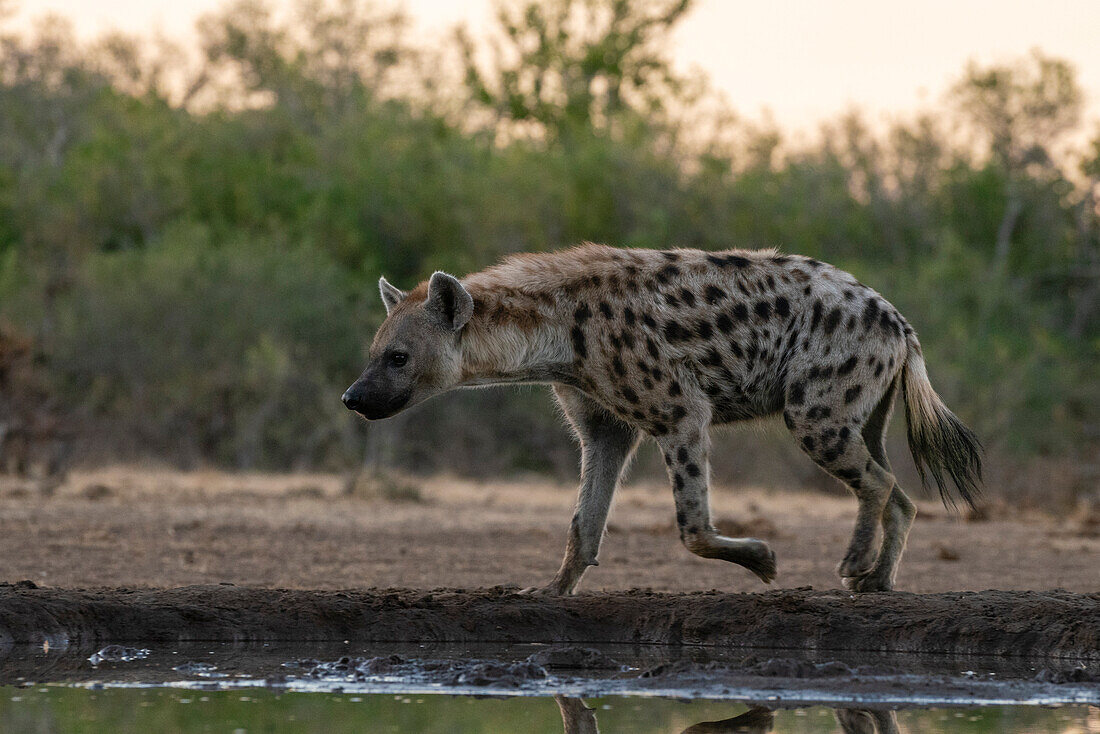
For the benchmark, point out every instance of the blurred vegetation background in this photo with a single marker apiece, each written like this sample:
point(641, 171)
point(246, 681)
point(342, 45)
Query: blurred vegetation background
point(190, 238)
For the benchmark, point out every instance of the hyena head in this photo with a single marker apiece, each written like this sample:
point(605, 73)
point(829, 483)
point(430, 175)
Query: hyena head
point(415, 353)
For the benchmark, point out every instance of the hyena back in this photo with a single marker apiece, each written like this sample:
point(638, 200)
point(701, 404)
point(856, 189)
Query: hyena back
point(668, 343)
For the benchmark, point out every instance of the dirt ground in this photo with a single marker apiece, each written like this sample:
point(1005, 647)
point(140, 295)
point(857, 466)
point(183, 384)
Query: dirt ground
point(141, 527)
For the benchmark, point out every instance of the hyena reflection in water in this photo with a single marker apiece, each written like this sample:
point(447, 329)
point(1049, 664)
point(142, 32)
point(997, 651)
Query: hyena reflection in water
point(667, 344)
point(578, 718)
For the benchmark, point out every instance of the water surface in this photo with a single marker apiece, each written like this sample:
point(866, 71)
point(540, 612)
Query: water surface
point(53, 708)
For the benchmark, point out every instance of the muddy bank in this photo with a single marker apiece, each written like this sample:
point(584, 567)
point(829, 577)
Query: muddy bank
point(1016, 623)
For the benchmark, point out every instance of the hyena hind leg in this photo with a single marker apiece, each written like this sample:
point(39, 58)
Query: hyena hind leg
point(897, 516)
point(840, 451)
point(606, 445)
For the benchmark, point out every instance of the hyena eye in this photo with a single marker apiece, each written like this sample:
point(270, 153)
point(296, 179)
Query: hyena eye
point(398, 359)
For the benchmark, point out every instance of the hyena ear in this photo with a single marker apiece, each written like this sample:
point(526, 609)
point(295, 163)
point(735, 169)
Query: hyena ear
point(449, 300)
point(391, 295)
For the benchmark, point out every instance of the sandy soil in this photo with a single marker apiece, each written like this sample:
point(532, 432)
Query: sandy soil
point(140, 527)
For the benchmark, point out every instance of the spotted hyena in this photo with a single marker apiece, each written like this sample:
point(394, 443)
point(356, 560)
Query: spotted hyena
point(668, 344)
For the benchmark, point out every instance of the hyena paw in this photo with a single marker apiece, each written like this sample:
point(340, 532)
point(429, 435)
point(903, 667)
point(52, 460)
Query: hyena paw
point(855, 566)
point(868, 582)
point(760, 559)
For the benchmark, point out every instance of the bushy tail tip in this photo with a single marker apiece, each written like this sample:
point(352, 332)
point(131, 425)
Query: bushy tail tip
point(942, 446)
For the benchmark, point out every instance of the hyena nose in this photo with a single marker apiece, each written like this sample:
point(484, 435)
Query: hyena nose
point(352, 401)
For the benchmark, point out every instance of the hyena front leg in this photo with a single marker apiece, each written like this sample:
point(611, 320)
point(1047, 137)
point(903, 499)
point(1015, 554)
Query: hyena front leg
point(606, 445)
point(686, 450)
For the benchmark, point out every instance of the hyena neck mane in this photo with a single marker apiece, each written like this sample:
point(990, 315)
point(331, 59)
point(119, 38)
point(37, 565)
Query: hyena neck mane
point(523, 311)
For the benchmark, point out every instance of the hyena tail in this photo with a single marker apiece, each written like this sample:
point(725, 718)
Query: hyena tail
point(940, 443)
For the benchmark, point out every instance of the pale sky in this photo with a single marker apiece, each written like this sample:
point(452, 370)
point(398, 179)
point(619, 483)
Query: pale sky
point(804, 60)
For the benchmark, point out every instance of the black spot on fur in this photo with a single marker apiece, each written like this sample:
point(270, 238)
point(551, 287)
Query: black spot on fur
point(674, 389)
point(808, 443)
point(648, 321)
point(870, 313)
point(679, 412)
point(579, 346)
point(714, 294)
point(847, 474)
point(630, 395)
point(671, 256)
point(617, 366)
point(672, 300)
point(703, 329)
point(724, 323)
point(818, 412)
point(797, 394)
point(851, 323)
point(605, 310)
point(788, 421)
point(848, 366)
point(628, 316)
point(675, 332)
point(780, 259)
point(659, 429)
point(582, 314)
point(651, 346)
point(628, 339)
point(682, 455)
point(832, 320)
point(688, 297)
point(782, 307)
point(736, 349)
point(896, 325)
point(763, 310)
point(740, 312)
point(693, 470)
point(817, 373)
point(852, 393)
point(681, 518)
point(665, 273)
point(817, 315)
point(728, 261)
point(712, 358)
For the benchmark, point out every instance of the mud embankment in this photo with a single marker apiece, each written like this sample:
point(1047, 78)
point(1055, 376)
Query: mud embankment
point(1015, 623)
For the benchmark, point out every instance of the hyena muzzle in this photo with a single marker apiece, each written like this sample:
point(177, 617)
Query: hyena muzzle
point(668, 343)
